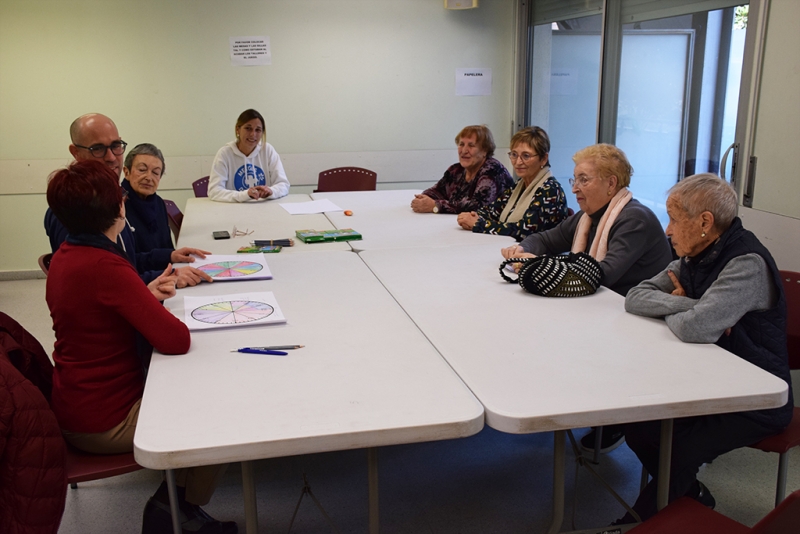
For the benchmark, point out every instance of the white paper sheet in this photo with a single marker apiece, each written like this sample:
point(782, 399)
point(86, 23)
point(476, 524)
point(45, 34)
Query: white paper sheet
point(250, 51)
point(234, 267)
point(306, 208)
point(473, 82)
point(228, 311)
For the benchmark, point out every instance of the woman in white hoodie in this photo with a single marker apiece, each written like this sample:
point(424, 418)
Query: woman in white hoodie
point(248, 168)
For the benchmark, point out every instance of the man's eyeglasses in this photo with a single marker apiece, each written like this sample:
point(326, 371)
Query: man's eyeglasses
point(526, 157)
point(98, 151)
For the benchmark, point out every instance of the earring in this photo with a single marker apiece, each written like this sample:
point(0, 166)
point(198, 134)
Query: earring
point(703, 234)
point(609, 193)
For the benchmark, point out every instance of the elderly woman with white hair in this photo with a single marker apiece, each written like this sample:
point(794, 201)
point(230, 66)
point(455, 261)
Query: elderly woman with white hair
point(724, 289)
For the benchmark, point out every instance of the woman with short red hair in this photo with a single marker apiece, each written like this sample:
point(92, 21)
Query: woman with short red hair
point(101, 310)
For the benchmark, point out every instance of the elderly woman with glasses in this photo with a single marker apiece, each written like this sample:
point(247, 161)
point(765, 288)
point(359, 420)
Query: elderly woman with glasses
point(623, 237)
point(725, 289)
point(473, 182)
point(621, 234)
point(146, 212)
point(535, 204)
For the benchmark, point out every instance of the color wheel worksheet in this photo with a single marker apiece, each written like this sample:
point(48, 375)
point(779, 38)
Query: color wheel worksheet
point(234, 267)
point(224, 311)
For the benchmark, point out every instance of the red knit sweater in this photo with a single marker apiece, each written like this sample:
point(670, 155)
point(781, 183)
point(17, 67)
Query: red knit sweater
point(98, 303)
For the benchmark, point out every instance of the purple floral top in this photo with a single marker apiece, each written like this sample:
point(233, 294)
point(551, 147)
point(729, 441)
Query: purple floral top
point(453, 194)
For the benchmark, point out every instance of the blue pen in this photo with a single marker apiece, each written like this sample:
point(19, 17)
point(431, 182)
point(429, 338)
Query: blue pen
point(249, 350)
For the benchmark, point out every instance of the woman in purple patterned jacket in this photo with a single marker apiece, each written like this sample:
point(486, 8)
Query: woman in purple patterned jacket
point(475, 181)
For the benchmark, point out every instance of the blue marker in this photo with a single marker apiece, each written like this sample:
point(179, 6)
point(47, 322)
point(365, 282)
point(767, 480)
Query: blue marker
point(249, 350)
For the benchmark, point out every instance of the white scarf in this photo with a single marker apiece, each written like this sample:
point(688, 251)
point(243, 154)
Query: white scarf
point(600, 244)
point(515, 209)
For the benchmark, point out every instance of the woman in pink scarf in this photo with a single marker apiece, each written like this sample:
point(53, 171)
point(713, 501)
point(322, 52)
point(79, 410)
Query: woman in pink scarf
point(622, 235)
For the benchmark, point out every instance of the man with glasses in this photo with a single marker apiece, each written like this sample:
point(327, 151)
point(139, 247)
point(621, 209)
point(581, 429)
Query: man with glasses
point(95, 137)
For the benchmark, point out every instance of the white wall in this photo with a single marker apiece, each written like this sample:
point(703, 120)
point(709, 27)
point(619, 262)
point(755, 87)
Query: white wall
point(365, 82)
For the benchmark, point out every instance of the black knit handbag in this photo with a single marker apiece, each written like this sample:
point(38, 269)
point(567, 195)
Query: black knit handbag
point(573, 275)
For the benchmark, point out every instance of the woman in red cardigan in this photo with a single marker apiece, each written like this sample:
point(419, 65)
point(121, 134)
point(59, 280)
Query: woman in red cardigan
point(101, 310)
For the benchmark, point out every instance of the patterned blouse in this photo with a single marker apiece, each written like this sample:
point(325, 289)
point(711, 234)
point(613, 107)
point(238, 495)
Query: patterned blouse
point(453, 194)
point(547, 209)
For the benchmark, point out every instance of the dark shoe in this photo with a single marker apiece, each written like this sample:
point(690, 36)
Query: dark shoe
point(157, 519)
point(612, 438)
point(700, 493)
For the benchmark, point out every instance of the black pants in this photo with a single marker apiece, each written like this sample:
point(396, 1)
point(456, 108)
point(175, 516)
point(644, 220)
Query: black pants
point(695, 441)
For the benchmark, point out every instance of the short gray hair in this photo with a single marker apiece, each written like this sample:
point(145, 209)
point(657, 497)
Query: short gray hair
point(707, 192)
point(148, 150)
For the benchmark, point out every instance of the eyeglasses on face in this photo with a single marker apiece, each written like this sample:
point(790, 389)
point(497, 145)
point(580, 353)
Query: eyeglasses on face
point(98, 151)
point(580, 181)
point(526, 157)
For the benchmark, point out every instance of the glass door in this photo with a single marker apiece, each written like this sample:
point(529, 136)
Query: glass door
point(659, 79)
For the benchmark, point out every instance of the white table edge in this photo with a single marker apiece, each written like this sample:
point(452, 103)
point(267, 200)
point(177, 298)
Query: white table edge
point(303, 445)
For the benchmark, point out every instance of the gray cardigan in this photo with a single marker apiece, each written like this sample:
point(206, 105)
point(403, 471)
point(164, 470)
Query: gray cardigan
point(637, 246)
point(744, 285)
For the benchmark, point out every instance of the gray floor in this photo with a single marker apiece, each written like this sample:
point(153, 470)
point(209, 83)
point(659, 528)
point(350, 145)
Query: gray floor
point(492, 482)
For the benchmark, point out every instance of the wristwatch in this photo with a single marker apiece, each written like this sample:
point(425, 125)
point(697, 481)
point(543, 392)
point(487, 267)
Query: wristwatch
point(435, 208)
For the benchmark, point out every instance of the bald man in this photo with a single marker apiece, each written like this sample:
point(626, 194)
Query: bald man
point(95, 136)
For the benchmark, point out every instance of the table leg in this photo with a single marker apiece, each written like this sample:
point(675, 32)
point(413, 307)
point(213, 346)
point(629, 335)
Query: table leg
point(559, 471)
point(372, 476)
point(172, 489)
point(664, 461)
point(249, 490)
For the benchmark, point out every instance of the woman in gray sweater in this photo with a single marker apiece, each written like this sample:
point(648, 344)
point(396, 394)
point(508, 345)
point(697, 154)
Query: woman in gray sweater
point(619, 232)
point(724, 289)
point(622, 235)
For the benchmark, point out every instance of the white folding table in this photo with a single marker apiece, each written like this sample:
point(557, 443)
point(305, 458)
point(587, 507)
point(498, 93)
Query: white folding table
point(266, 219)
point(546, 364)
point(385, 220)
point(367, 377)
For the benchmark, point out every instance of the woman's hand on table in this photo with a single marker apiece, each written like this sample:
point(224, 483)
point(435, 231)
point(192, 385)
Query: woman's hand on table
point(187, 254)
point(259, 191)
point(422, 204)
point(467, 219)
point(189, 276)
point(163, 286)
point(514, 251)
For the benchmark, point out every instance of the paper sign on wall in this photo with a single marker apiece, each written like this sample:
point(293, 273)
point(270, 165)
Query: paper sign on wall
point(248, 51)
point(473, 82)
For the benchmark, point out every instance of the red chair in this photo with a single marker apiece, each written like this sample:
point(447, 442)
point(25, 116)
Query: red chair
point(175, 217)
point(788, 439)
point(44, 262)
point(200, 187)
point(687, 516)
point(83, 467)
point(346, 179)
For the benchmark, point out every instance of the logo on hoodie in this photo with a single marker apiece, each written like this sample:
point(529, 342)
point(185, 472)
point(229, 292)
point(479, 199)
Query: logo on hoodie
point(254, 176)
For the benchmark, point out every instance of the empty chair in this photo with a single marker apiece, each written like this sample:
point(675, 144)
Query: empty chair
point(175, 217)
point(688, 516)
point(788, 439)
point(200, 187)
point(44, 262)
point(346, 179)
